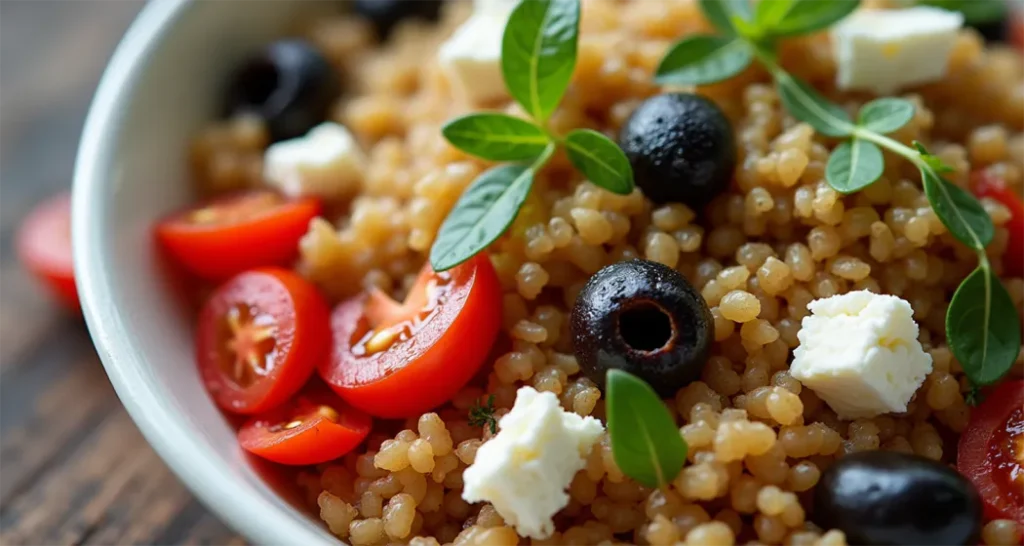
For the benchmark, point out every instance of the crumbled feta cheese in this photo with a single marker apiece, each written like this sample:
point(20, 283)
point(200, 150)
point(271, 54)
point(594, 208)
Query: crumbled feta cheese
point(325, 162)
point(885, 50)
point(859, 353)
point(525, 470)
point(472, 55)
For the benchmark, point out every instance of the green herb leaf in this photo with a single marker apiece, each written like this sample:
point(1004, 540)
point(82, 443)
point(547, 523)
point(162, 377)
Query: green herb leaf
point(806, 16)
point(854, 165)
point(482, 415)
point(699, 60)
point(805, 104)
point(481, 215)
point(600, 160)
point(645, 441)
point(975, 11)
point(719, 12)
point(497, 137)
point(983, 328)
point(932, 161)
point(885, 115)
point(769, 13)
point(958, 210)
point(538, 53)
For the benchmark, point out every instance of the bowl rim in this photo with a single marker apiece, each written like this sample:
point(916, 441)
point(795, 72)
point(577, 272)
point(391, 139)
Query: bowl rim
point(192, 461)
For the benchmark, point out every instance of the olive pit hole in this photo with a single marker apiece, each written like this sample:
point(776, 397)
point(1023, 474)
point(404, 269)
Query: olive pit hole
point(261, 82)
point(645, 327)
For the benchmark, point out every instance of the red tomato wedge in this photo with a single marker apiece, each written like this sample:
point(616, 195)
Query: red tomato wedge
point(236, 233)
point(44, 247)
point(986, 185)
point(260, 336)
point(395, 359)
point(315, 427)
point(991, 452)
point(1017, 27)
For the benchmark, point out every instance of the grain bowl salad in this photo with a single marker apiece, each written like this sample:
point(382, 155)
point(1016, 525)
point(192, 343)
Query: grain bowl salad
point(656, 272)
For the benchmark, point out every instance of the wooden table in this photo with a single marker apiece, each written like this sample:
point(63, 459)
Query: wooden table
point(73, 467)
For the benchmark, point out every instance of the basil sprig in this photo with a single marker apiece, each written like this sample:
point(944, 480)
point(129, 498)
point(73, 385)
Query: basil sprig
point(646, 443)
point(538, 56)
point(982, 326)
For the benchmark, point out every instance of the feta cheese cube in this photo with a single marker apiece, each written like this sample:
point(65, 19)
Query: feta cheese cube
point(885, 50)
point(859, 353)
point(325, 162)
point(472, 55)
point(525, 470)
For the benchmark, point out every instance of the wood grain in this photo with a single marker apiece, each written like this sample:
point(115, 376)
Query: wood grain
point(73, 467)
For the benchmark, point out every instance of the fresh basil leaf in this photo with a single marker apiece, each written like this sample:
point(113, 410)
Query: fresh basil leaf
point(481, 215)
point(700, 60)
point(497, 137)
point(600, 160)
point(974, 11)
point(719, 12)
point(854, 165)
point(769, 13)
point(983, 328)
point(885, 115)
point(932, 161)
point(806, 16)
point(538, 53)
point(958, 210)
point(805, 104)
point(646, 443)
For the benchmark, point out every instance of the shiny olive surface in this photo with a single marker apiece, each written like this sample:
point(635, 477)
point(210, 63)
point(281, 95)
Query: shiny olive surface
point(645, 318)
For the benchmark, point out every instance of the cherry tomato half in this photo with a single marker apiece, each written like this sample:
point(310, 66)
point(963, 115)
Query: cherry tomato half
point(243, 231)
point(986, 185)
point(315, 427)
point(399, 359)
point(991, 452)
point(44, 247)
point(260, 337)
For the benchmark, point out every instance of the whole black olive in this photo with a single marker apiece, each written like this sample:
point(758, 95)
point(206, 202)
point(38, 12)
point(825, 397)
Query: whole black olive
point(887, 497)
point(993, 31)
point(645, 318)
point(681, 148)
point(289, 84)
point(385, 14)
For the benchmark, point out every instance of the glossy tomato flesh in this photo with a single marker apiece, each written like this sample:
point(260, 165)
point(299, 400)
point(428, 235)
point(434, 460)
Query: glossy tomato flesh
point(230, 235)
point(44, 248)
point(400, 359)
point(986, 185)
point(259, 338)
point(315, 427)
point(991, 452)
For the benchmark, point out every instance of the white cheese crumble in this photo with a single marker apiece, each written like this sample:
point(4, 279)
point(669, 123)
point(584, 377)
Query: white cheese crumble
point(525, 470)
point(325, 162)
point(472, 55)
point(860, 354)
point(885, 50)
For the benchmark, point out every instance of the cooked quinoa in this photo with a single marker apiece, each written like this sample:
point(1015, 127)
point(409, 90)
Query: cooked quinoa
point(778, 238)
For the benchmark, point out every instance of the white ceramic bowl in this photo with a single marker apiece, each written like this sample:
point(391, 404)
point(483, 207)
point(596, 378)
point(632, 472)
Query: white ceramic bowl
point(161, 85)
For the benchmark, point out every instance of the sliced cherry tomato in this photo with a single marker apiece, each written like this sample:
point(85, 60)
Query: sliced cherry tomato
point(399, 359)
point(44, 246)
point(1017, 27)
point(260, 337)
point(236, 233)
point(991, 452)
point(315, 427)
point(986, 185)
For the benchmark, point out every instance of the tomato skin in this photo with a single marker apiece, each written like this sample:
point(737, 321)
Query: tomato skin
point(986, 185)
point(316, 440)
point(425, 371)
point(44, 247)
point(300, 318)
point(973, 460)
point(269, 235)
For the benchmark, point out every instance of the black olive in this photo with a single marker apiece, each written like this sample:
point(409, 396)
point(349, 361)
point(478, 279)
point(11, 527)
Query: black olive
point(993, 31)
point(681, 148)
point(644, 318)
point(385, 14)
point(289, 84)
point(886, 497)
